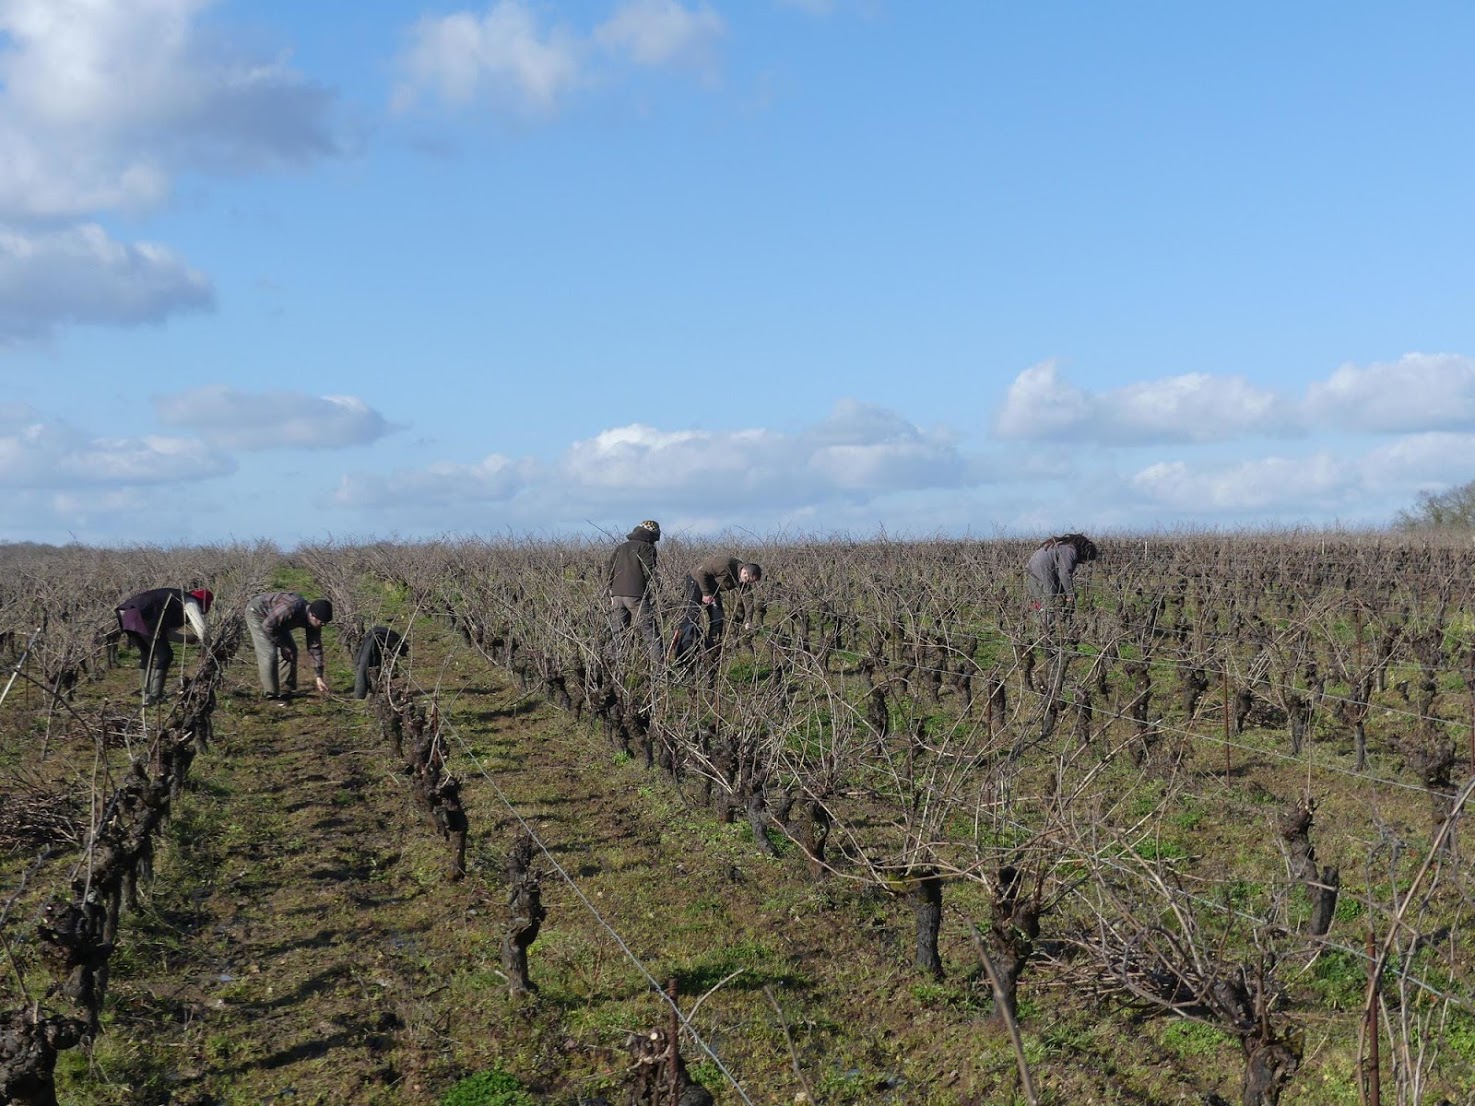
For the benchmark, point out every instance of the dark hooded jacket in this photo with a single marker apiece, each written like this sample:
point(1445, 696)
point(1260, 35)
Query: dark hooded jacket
point(154, 612)
point(632, 566)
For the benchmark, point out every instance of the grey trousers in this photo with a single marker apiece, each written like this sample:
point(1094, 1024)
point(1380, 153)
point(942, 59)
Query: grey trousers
point(623, 609)
point(276, 666)
point(1049, 606)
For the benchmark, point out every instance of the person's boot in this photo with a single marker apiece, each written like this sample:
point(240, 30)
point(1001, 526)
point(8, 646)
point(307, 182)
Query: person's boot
point(154, 687)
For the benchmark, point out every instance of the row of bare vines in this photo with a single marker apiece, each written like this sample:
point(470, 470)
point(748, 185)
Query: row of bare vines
point(99, 845)
point(1221, 772)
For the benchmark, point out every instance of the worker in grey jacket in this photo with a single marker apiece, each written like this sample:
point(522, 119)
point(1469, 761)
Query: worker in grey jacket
point(631, 575)
point(1050, 573)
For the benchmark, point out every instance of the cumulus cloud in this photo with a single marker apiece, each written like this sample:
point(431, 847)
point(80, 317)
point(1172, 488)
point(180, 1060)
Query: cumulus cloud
point(506, 59)
point(1194, 407)
point(1314, 483)
point(860, 450)
point(493, 479)
point(1040, 405)
point(102, 101)
point(231, 419)
point(663, 33)
point(40, 453)
point(502, 56)
point(858, 454)
point(102, 104)
point(1418, 392)
point(81, 275)
point(51, 176)
point(1420, 459)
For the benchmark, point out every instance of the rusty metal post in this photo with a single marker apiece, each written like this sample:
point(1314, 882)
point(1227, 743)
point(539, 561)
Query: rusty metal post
point(1224, 683)
point(1374, 1075)
point(673, 1053)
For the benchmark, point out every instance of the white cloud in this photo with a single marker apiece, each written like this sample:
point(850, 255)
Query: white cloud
point(232, 419)
point(1418, 392)
point(1317, 484)
point(493, 479)
point(80, 275)
point(48, 176)
point(504, 59)
point(38, 453)
point(860, 450)
point(103, 101)
point(857, 455)
point(663, 33)
point(1041, 405)
point(1193, 407)
point(1421, 459)
point(502, 56)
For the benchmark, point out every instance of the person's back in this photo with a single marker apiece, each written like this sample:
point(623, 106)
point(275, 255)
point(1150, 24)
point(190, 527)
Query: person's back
point(632, 566)
point(718, 573)
point(1051, 569)
point(630, 576)
point(152, 619)
point(1052, 566)
point(704, 587)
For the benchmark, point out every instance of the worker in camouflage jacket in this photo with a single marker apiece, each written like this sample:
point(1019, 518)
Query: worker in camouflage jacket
point(631, 576)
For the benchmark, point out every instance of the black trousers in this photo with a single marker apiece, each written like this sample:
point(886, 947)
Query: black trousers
point(716, 619)
point(153, 652)
point(380, 644)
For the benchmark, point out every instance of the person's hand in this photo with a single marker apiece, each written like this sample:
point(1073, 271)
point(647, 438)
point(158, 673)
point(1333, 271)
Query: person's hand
point(322, 685)
point(707, 600)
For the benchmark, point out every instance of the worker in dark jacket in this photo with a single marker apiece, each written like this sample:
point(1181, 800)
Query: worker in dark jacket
point(152, 619)
point(705, 585)
point(271, 618)
point(631, 576)
point(1050, 573)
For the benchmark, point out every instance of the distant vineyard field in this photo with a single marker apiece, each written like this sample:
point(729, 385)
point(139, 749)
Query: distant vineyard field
point(1199, 837)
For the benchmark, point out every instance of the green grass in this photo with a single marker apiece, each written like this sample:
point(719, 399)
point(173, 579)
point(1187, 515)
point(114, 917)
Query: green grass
point(488, 1088)
point(1459, 1035)
point(1339, 979)
point(292, 578)
point(1189, 1039)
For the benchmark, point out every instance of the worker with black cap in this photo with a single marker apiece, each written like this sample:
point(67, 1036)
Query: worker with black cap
point(271, 618)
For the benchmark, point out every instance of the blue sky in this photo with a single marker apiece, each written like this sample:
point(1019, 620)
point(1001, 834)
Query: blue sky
point(798, 267)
